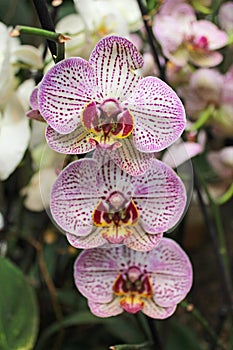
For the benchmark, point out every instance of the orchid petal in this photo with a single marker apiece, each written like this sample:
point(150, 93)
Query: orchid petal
point(159, 115)
point(216, 38)
point(110, 176)
point(72, 143)
point(141, 240)
point(155, 311)
point(95, 271)
point(170, 273)
point(105, 310)
point(40, 183)
point(179, 153)
point(160, 197)
point(205, 59)
point(14, 136)
point(34, 98)
point(29, 55)
point(74, 196)
point(114, 59)
point(92, 240)
point(64, 91)
point(129, 159)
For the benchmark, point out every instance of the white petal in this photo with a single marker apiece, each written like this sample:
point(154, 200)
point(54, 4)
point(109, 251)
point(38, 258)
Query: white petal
point(14, 136)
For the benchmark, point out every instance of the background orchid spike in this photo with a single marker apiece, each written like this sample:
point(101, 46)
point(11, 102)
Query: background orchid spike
point(196, 41)
point(118, 279)
point(95, 204)
point(104, 104)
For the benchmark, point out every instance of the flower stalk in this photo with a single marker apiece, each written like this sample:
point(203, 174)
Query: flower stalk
point(151, 39)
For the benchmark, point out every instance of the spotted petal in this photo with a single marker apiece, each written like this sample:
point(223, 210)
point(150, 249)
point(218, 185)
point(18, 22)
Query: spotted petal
point(155, 311)
point(105, 310)
point(170, 273)
point(129, 159)
point(141, 240)
point(114, 59)
point(159, 115)
point(92, 240)
point(74, 196)
point(95, 271)
point(73, 143)
point(160, 197)
point(64, 91)
point(110, 176)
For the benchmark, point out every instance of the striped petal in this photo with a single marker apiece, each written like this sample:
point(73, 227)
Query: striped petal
point(129, 159)
point(92, 240)
point(160, 197)
point(159, 115)
point(105, 310)
point(74, 143)
point(110, 176)
point(114, 59)
point(74, 196)
point(141, 240)
point(170, 273)
point(95, 271)
point(158, 312)
point(65, 89)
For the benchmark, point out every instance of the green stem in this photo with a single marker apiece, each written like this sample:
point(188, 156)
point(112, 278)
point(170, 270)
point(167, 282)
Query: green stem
point(152, 42)
point(226, 196)
point(216, 232)
point(58, 38)
point(47, 34)
point(198, 316)
point(142, 346)
point(204, 117)
point(219, 227)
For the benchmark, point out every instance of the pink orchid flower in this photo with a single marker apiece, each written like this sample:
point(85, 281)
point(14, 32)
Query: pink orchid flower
point(225, 16)
point(185, 39)
point(102, 103)
point(210, 91)
point(97, 204)
point(222, 163)
point(120, 279)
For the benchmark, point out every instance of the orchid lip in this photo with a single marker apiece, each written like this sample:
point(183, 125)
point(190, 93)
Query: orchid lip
point(115, 214)
point(108, 122)
point(133, 287)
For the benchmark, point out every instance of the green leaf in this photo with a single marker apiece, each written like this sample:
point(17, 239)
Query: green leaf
point(18, 309)
point(79, 318)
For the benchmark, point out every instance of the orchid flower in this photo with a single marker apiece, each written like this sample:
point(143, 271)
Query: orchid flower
point(225, 16)
point(110, 16)
point(195, 40)
point(96, 19)
point(95, 204)
point(222, 163)
point(120, 279)
point(14, 102)
point(14, 136)
point(104, 104)
point(210, 92)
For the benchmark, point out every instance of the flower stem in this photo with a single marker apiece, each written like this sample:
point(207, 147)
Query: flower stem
point(218, 242)
point(204, 117)
point(198, 316)
point(47, 24)
point(151, 39)
point(142, 346)
point(226, 196)
point(57, 37)
point(154, 333)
